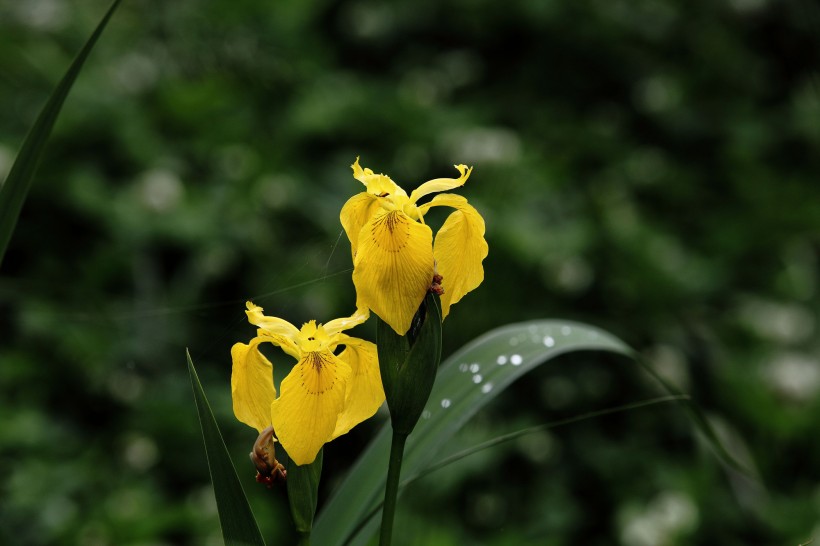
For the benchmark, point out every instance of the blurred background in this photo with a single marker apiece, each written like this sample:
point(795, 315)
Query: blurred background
point(646, 166)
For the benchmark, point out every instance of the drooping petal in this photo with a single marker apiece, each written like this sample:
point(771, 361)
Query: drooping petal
point(393, 267)
point(338, 325)
point(377, 184)
point(252, 387)
point(459, 248)
point(364, 393)
point(441, 184)
point(311, 399)
point(358, 210)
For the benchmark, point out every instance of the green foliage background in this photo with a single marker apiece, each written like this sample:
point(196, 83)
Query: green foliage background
point(647, 166)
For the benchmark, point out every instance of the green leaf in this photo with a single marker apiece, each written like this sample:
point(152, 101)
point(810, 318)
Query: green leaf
point(450, 459)
point(14, 191)
point(466, 382)
point(239, 527)
point(703, 425)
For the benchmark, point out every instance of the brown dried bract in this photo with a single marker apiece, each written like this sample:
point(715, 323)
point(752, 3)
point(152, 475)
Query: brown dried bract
point(435, 286)
point(263, 456)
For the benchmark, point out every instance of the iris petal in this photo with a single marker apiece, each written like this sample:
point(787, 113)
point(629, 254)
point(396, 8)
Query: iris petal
point(312, 397)
point(441, 184)
point(377, 184)
point(283, 332)
point(364, 393)
point(393, 267)
point(252, 387)
point(459, 248)
point(335, 326)
point(358, 210)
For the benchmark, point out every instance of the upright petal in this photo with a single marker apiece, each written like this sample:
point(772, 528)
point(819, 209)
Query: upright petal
point(459, 248)
point(312, 397)
point(441, 184)
point(393, 267)
point(337, 325)
point(376, 184)
point(273, 326)
point(252, 387)
point(364, 393)
point(358, 210)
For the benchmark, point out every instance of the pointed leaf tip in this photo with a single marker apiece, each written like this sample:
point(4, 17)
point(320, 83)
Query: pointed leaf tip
point(239, 527)
point(15, 189)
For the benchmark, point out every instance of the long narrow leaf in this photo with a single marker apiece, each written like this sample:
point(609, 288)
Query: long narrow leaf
point(239, 528)
point(14, 191)
point(704, 426)
point(466, 382)
point(450, 459)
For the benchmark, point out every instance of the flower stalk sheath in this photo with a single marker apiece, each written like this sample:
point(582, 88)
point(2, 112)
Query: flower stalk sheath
point(408, 367)
point(303, 494)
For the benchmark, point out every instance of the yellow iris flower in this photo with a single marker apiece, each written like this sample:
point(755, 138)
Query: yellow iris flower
point(394, 256)
point(323, 397)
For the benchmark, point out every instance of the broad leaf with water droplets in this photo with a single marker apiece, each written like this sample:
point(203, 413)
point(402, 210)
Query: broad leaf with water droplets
point(466, 382)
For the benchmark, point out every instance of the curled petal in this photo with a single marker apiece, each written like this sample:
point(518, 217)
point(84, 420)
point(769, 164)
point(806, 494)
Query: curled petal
point(377, 184)
point(284, 333)
point(312, 397)
point(252, 387)
point(358, 210)
point(441, 184)
point(364, 393)
point(459, 248)
point(393, 267)
point(336, 326)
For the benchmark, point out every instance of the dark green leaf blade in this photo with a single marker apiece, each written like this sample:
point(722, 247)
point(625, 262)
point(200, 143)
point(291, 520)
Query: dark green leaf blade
point(14, 190)
point(539, 428)
point(450, 459)
point(466, 382)
point(704, 426)
point(239, 528)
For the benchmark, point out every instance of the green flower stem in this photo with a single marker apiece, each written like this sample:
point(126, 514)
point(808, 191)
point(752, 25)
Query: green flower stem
point(391, 490)
point(304, 539)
